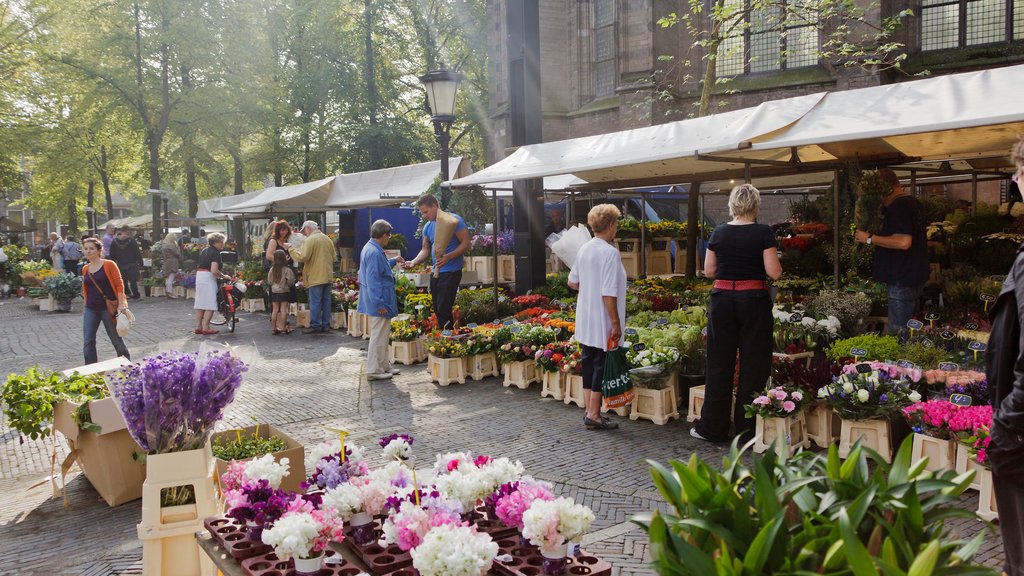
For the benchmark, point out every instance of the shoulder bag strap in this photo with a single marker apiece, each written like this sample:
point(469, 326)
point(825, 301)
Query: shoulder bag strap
point(93, 280)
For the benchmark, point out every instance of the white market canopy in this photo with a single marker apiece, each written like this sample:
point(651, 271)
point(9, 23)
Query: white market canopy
point(210, 208)
point(383, 187)
point(145, 221)
point(974, 117)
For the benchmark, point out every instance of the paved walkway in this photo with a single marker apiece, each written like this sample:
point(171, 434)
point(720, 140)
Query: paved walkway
point(303, 384)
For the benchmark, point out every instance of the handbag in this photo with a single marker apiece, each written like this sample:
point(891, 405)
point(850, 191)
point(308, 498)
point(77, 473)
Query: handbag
point(125, 321)
point(111, 304)
point(616, 385)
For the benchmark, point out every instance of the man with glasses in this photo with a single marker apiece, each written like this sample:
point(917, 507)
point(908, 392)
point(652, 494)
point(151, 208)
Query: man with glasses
point(377, 298)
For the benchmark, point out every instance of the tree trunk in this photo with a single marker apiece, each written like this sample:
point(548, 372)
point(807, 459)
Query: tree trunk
point(105, 179)
point(372, 98)
point(278, 170)
point(90, 216)
point(72, 212)
point(238, 224)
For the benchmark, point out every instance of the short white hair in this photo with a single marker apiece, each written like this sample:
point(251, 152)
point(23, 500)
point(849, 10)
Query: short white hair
point(310, 224)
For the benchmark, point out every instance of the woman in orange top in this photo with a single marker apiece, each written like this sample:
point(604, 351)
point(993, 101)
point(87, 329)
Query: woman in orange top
point(101, 281)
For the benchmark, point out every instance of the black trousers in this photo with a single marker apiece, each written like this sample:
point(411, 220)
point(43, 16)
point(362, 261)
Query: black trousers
point(130, 276)
point(442, 295)
point(1010, 501)
point(738, 320)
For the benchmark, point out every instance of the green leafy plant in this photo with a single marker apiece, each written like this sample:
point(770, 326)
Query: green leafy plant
point(63, 286)
point(29, 398)
point(877, 347)
point(848, 307)
point(244, 447)
point(868, 210)
point(397, 241)
point(924, 356)
point(809, 514)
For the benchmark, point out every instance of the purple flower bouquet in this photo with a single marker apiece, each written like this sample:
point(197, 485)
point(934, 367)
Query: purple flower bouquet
point(171, 401)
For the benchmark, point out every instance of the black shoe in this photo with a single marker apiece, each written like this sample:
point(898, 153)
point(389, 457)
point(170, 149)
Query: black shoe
point(312, 331)
point(599, 424)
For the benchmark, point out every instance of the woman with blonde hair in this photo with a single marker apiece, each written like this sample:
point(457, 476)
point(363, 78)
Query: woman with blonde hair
point(170, 253)
point(599, 276)
point(741, 256)
point(103, 293)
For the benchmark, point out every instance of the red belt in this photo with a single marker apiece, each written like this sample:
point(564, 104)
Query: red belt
point(202, 269)
point(741, 285)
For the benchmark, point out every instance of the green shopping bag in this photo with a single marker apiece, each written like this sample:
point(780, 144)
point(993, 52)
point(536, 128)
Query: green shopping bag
point(616, 385)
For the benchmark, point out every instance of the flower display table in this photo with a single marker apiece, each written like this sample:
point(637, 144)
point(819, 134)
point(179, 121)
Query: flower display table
point(302, 319)
point(553, 385)
point(658, 406)
point(407, 353)
point(792, 430)
point(964, 462)
point(483, 266)
point(506, 268)
point(822, 425)
point(355, 324)
point(339, 320)
point(874, 434)
point(179, 291)
point(480, 366)
point(156, 291)
point(659, 256)
point(520, 374)
point(190, 293)
point(253, 305)
point(446, 371)
point(941, 453)
point(986, 496)
point(574, 390)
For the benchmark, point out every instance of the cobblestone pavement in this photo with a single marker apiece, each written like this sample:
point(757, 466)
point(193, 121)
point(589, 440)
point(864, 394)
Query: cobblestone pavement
point(303, 384)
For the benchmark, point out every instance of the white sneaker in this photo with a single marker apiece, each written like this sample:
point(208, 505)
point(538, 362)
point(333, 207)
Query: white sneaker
point(396, 371)
point(695, 434)
point(378, 376)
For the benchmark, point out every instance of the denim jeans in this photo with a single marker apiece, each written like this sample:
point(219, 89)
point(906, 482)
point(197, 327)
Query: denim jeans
point(320, 307)
point(442, 293)
point(91, 324)
point(902, 304)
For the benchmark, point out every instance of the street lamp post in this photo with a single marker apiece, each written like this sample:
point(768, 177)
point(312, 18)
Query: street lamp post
point(90, 215)
point(162, 196)
point(442, 86)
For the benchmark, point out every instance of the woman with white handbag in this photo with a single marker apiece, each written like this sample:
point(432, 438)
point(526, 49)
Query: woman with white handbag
point(103, 292)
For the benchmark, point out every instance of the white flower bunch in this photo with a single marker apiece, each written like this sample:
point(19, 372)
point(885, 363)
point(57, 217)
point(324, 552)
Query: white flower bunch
point(292, 535)
point(328, 447)
point(467, 485)
point(397, 449)
point(449, 461)
point(345, 499)
point(395, 473)
point(501, 471)
point(265, 468)
point(549, 524)
point(454, 551)
point(653, 355)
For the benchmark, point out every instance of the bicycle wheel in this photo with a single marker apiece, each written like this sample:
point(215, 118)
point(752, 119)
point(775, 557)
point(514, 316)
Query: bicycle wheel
point(231, 321)
point(219, 319)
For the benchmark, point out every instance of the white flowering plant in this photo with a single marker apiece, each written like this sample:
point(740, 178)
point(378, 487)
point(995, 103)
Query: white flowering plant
point(549, 524)
point(353, 452)
point(450, 550)
point(869, 394)
point(266, 468)
point(303, 532)
point(777, 402)
point(652, 356)
point(795, 331)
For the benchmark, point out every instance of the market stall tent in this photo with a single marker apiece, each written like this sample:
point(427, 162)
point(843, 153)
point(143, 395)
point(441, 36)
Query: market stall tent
point(389, 186)
point(209, 208)
point(296, 197)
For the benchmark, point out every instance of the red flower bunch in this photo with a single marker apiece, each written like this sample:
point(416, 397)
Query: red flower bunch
point(531, 301)
point(532, 312)
point(801, 243)
point(662, 302)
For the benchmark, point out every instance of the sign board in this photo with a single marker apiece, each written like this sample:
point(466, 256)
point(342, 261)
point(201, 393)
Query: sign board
point(947, 335)
point(509, 322)
point(858, 352)
point(904, 364)
point(949, 366)
point(961, 399)
point(516, 329)
point(931, 316)
point(914, 324)
point(630, 331)
point(661, 321)
point(988, 298)
point(446, 333)
point(977, 346)
point(864, 368)
point(970, 326)
point(639, 346)
point(796, 317)
point(471, 325)
point(927, 343)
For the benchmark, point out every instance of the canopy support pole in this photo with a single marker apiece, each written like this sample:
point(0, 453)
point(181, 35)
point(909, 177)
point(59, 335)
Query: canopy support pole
point(643, 234)
point(692, 223)
point(494, 248)
point(835, 227)
point(974, 194)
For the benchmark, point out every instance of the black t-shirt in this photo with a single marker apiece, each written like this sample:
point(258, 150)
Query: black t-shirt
point(739, 250)
point(903, 267)
point(209, 256)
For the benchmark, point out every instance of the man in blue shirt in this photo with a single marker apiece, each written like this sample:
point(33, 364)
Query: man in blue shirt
point(377, 299)
point(445, 285)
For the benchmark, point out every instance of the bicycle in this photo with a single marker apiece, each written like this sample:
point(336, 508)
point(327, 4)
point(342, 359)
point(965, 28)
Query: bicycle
point(229, 293)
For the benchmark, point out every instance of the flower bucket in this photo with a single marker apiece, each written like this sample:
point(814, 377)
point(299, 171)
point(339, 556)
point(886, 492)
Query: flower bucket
point(791, 429)
point(874, 434)
point(964, 462)
point(941, 453)
point(309, 565)
point(553, 563)
point(553, 385)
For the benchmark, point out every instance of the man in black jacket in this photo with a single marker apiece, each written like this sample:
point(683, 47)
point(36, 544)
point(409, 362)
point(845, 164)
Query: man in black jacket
point(125, 251)
point(1004, 367)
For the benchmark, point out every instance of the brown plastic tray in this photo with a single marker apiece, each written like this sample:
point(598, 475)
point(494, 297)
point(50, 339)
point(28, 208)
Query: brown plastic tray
point(378, 559)
point(233, 538)
point(527, 561)
point(270, 565)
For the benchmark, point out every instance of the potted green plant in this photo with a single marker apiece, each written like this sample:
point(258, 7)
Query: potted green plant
point(247, 443)
point(63, 288)
point(808, 514)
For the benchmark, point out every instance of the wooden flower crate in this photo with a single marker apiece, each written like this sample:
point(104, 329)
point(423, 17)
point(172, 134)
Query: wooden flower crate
point(987, 509)
point(521, 374)
point(253, 305)
point(407, 353)
point(658, 406)
point(446, 371)
point(480, 366)
point(155, 291)
point(874, 434)
point(792, 430)
point(339, 320)
point(574, 390)
point(941, 453)
point(822, 425)
point(553, 385)
point(355, 324)
point(964, 462)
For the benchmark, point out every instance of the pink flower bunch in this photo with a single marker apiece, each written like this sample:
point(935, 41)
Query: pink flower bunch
point(410, 524)
point(331, 529)
point(980, 447)
point(961, 377)
point(931, 417)
point(780, 401)
point(510, 508)
point(234, 477)
point(969, 419)
point(894, 371)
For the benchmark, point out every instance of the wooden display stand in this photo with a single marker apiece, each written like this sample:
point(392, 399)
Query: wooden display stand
point(629, 251)
point(987, 509)
point(822, 425)
point(483, 266)
point(168, 543)
point(941, 453)
point(302, 319)
point(506, 268)
point(179, 291)
point(355, 324)
point(156, 291)
point(406, 353)
point(792, 430)
point(965, 462)
point(480, 366)
point(446, 371)
point(696, 403)
point(553, 385)
point(190, 293)
point(574, 390)
point(659, 256)
point(658, 406)
point(681, 254)
point(339, 320)
point(520, 374)
point(365, 319)
point(253, 305)
point(874, 434)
